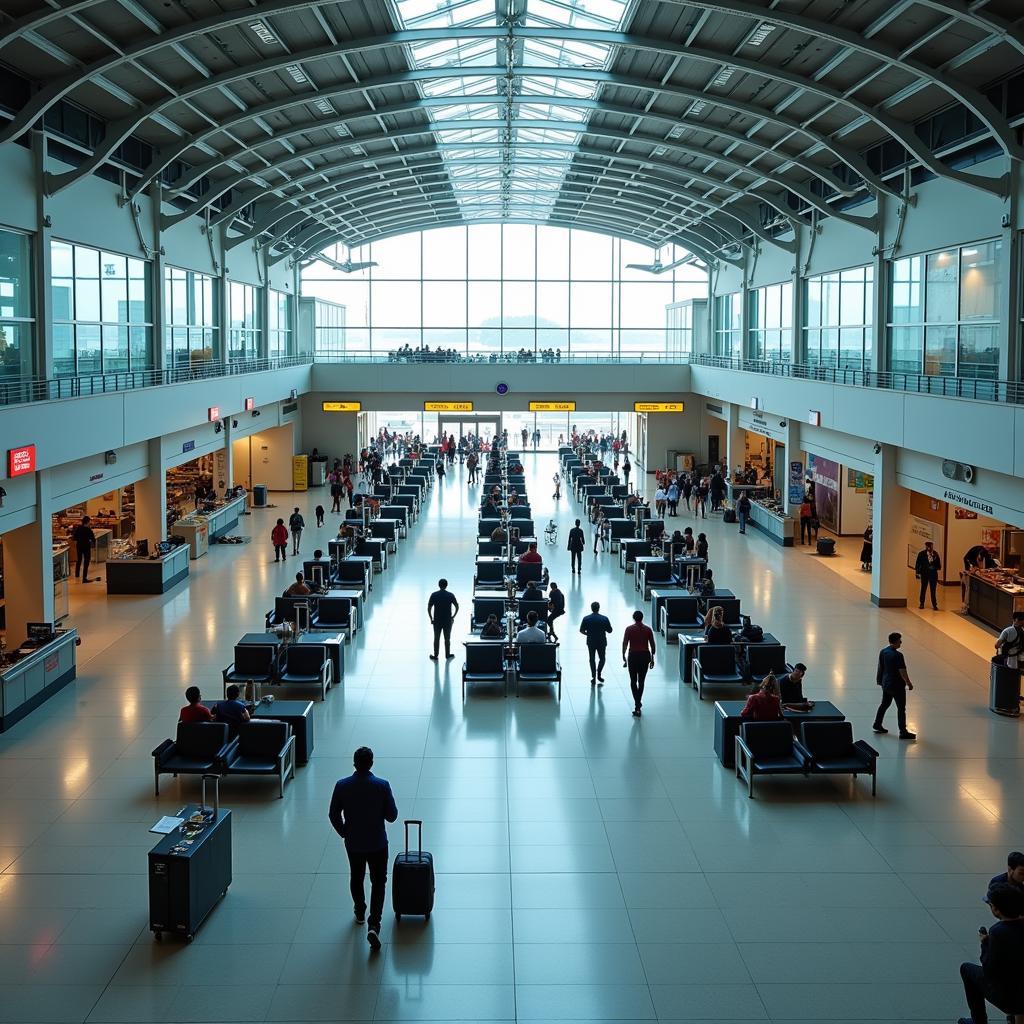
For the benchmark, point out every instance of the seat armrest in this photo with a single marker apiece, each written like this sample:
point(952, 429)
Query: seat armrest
point(227, 671)
point(165, 749)
point(866, 748)
point(227, 753)
point(741, 744)
point(283, 752)
point(802, 752)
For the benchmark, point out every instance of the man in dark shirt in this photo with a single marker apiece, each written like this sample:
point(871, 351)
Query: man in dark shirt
point(360, 806)
point(893, 679)
point(1014, 873)
point(233, 711)
point(791, 685)
point(596, 627)
point(927, 569)
point(999, 978)
point(441, 610)
point(85, 541)
point(556, 608)
point(577, 544)
point(637, 657)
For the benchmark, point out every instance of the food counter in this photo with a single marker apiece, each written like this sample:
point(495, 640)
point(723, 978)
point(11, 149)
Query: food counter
point(148, 575)
point(223, 519)
point(993, 596)
point(35, 674)
point(769, 520)
point(196, 531)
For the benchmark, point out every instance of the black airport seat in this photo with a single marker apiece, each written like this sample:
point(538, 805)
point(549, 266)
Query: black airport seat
point(540, 606)
point(254, 663)
point(527, 571)
point(730, 607)
point(768, 748)
point(286, 609)
point(489, 575)
point(334, 614)
point(484, 607)
point(485, 663)
point(538, 663)
point(263, 747)
point(679, 615)
point(831, 750)
point(197, 749)
point(765, 658)
point(307, 665)
point(715, 665)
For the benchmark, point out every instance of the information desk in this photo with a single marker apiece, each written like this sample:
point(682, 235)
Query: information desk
point(993, 598)
point(35, 676)
point(148, 575)
point(221, 520)
point(780, 529)
point(299, 715)
point(728, 721)
point(688, 644)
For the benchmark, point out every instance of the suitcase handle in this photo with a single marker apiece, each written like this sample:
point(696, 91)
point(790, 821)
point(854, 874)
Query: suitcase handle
point(419, 833)
point(216, 795)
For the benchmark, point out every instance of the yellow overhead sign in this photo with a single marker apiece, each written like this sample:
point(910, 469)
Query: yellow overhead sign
point(341, 406)
point(447, 406)
point(552, 407)
point(657, 407)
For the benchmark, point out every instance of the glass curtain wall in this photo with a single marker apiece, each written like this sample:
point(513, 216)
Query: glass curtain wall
point(329, 322)
point(839, 329)
point(771, 323)
point(244, 322)
point(512, 291)
point(279, 323)
point(17, 312)
point(944, 313)
point(190, 306)
point(729, 325)
point(679, 329)
point(102, 320)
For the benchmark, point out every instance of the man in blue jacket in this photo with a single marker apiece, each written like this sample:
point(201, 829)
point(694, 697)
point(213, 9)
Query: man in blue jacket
point(596, 627)
point(360, 806)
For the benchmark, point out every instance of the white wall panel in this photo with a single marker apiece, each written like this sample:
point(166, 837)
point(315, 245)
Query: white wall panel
point(18, 195)
point(78, 481)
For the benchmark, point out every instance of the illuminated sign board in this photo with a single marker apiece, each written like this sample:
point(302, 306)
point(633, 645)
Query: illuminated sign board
point(552, 407)
point(657, 407)
point(21, 460)
point(213, 413)
point(341, 406)
point(447, 406)
point(250, 404)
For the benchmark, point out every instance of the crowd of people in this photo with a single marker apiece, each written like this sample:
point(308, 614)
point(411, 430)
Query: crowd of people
point(439, 354)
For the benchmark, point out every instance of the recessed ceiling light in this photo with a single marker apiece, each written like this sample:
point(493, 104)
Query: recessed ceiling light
point(697, 108)
point(970, 252)
point(342, 130)
point(263, 33)
point(760, 34)
point(724, 75)
point(660, 151)
point(358, 150)
point(297, 73)
point(676, 131)
point(324, 106)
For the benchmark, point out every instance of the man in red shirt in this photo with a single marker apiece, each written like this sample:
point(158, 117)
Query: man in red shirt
point(531, 554)
point(194, 711)
point(638, 657)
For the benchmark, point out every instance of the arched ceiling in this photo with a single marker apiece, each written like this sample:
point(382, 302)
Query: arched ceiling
point(708, 123)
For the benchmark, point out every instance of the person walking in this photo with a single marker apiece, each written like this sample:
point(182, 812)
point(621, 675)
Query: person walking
point(525, 434)
point(687, 490)
point(360, 806)
point(85, 541)
point(337, 490)
point(638, 657)
point(700, 500)
point(892, 677)
point(743, 511)
point(596, 627)
point(926, 568)
point(279, 538)
point(557, 479)
point(441, 610)
point(672, 497)
point(556, 608)
point(296, 524)
point(627, 468)
point(536, 439)
point(660, 498)
point(577, 544)
point(806, 515)
point(319, 516)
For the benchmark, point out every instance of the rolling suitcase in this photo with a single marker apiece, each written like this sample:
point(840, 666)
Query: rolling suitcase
point(729, 515)
point(412, 878)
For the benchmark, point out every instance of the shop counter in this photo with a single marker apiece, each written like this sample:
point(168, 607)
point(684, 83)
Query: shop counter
point(34, 677)
point(993, 598)
point(779, 528)
point(221, 520)
point(148, 575)
point(196, 532)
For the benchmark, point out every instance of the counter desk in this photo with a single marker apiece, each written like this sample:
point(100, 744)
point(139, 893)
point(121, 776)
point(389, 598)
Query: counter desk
point(36, 676)
point(993, 600)
point(221, 520)
point(148, 575)
point(781, 529)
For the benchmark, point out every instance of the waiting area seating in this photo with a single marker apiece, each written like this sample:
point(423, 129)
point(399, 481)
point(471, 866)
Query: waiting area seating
point(198, 748)
point(263, 747)
point(831, 750)
point(679, 615)
point(485, 663)
point(715, 665)
point(335, 615)
point(254, 666)
point(537, 664)
point(306, 665)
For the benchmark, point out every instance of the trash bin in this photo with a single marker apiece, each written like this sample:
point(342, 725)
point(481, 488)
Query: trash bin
point(1004, 689)
point(317, 474)
point(259, 496)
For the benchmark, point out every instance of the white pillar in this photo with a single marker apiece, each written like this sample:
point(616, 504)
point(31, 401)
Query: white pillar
point(735, 440)
point(28, 569)
point(151, 499)
point(889, 518)
point(780, 474)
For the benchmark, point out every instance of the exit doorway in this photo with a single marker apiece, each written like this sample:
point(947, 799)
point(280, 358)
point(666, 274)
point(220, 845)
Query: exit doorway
point(486, 427)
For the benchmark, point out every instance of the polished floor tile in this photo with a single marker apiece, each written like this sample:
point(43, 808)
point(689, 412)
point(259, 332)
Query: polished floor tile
point(591, 867)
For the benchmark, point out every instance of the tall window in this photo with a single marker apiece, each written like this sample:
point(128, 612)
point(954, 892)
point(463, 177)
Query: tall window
point(944, 317)
point(839, 329)
point(17, 319)
point(190, 307)
point(102, 319)
point(729, 324)
point(244, 330)
point(328, 328)
point(279, 323)
point(771, 323)
point(494, 290)
point(679, 329)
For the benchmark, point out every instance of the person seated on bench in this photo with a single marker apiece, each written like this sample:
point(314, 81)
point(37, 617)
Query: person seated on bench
point(492, 629)
point(764, 706)
point(715, 629)
point(499, 535)
point(531, 633)
point(791, 691)
point(531, 554)
point(688, 542)
point(532, 592)
point(195, 710)
point(299, 588)
point(232, 711)
point(513, 497)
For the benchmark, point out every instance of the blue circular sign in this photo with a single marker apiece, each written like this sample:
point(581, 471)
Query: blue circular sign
point(502, 388)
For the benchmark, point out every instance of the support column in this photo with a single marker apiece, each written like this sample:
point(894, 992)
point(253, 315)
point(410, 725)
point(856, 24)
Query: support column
point(42, 354)
point(735, 440)
point(28, 569)
point(879, 361)
point(780, 479)
point(889, 519)
point(226, 460)
point(224, 303)
point(160, 332)
point(151, 499)
point(1010, 314)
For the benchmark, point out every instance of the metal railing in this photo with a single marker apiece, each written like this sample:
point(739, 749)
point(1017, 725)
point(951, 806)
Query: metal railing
point(19, 390)
point(977, 388)
point(530, 358)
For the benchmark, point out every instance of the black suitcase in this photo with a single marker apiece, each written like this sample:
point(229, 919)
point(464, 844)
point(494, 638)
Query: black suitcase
point(826, 546)
point(412, 878)
point(729, 515)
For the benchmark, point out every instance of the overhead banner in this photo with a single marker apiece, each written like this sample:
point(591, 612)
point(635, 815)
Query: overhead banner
point(552, 407)
point(447, 406)
point(658, 407)
point(341, 406)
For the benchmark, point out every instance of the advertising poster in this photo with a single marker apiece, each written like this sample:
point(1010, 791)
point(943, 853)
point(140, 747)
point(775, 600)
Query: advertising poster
point(300, 472)
point(825, 475)
point(796, 483)
point(920, 531)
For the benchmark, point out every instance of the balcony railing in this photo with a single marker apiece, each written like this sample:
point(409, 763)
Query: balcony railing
point(528, 358)
point(18, 390)
point(978, 388)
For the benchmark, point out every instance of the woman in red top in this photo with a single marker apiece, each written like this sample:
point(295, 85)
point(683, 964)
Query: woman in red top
point(638, 657)
point(279, 538)
point(764, 706)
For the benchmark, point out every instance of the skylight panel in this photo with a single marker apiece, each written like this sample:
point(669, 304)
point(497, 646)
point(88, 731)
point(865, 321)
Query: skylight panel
point(551, 112)
point(464, 111)
point(475, 86)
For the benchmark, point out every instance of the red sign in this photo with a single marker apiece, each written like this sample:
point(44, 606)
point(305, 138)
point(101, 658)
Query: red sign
point(21, 460)
point(214, 412)
point(250, 404)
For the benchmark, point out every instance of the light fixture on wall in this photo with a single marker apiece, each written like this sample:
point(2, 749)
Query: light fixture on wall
point(877, 449)
point(110, 458)
point(234, 423)
point(255, 412)
point(3, 494)
point(218, 426)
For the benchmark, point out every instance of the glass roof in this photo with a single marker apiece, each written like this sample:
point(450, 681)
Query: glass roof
point(521, 178)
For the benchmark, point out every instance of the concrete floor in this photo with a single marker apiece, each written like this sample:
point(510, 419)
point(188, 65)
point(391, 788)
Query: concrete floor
point(591, 866)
